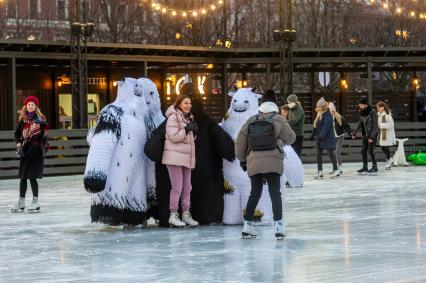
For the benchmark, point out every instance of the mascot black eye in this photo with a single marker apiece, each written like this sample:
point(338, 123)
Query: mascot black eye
point(235, 101)
point(246, 102)
point(152, 93)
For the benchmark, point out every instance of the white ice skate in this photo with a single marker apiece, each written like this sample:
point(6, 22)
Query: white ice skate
point(20, 206)
point(187, 219)
point(34, 206)
point(279, 230)
point(152, 223)
point(335, 175)
point(248, 231)
point(388, 165)
point(175, 222)
point(340, 169)
point(319, 175)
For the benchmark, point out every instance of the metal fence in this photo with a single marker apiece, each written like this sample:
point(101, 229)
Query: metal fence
point(69, 149)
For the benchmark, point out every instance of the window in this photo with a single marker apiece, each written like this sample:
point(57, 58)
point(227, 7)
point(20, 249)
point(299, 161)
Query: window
point(11, 9)
point(34, 9)
point(62, 9)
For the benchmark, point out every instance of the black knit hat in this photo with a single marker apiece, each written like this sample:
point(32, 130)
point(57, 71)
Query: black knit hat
point(190, 90)
point(363, 100)
point(269, 96)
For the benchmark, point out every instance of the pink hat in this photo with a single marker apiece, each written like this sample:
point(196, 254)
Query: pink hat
point(32, 99)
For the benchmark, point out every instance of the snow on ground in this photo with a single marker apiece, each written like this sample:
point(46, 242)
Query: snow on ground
point(354, 229)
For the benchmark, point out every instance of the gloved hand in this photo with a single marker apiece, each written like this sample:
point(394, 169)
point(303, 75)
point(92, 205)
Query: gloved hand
point(189, 127)
point(243, 166)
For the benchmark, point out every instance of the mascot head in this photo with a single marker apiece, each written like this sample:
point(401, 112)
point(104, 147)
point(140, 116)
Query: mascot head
point(152, 97)
point(245, 103)
point(130, 96)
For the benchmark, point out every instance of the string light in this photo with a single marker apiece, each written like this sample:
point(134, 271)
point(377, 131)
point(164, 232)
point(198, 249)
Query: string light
point(173, 11)
point(407, 10)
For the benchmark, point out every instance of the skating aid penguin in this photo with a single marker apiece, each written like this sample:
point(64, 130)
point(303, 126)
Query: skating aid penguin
point(244, 105)
point(115, 164)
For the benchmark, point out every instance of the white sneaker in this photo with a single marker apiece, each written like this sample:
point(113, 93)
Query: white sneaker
point(319, 175)
point(34, 206)
point(248, 230)
point(20, 206)
point(388, 165)
point(174, 220)
point(187, 219)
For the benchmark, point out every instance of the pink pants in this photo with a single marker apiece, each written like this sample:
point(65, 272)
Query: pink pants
point(180, 177)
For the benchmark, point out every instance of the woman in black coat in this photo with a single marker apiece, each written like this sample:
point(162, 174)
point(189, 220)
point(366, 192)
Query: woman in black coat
point(31, 142)
point(212, 145)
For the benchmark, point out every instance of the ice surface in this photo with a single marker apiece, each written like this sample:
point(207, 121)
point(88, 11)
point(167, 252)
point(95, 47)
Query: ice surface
point(354, 229)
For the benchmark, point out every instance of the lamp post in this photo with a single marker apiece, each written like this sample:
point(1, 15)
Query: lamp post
point(80, 32)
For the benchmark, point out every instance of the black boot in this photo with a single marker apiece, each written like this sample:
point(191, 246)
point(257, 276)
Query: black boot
point(363, 170)
point(373, 171)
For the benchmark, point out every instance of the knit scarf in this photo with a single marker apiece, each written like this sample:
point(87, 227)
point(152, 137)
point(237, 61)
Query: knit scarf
point(383, 131)
point(31, 126)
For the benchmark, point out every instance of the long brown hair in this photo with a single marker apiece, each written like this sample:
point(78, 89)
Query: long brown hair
point(384, 105)
point(179, 100)
point(23, 113)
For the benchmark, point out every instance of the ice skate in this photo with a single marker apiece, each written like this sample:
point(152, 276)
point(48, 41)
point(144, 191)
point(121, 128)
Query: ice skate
point(34, 206)
point(388, 165)
point(175, 222)
point(187, 219)
point(248, 231)
point(340, 169)
point(279, 230)
point(319, 175)
point(373, 171)
point(363, 171)
point(152, 223)
point(335, 175)
point(20, 207)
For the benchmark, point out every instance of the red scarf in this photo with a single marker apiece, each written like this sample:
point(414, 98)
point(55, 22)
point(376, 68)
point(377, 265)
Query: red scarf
point(31, 126)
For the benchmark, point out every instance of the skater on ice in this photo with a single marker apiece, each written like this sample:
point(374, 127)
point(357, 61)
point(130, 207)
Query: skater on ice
point(323, 130)
point(386, 137)
point(296, 120)
point(31, 144)
point(369, 127)
point(259, 149)
point(115, 168)
point(179, 157)
point(340, 127)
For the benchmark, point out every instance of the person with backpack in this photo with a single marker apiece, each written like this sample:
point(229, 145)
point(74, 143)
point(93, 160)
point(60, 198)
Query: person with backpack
point(340, 127)
point(369, 127)
point(387, 136)
point(259, 148)
point(323, 129)
point(179, 157)
point(31, 143)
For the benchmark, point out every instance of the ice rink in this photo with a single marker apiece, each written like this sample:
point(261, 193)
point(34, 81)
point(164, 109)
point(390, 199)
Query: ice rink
point(354, 229)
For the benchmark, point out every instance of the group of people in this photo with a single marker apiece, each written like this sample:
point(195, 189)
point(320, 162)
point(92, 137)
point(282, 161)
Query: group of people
point(184, 169)
point(329, 128)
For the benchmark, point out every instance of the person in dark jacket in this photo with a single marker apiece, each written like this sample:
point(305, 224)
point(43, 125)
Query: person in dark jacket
point(31, 142)
point(340, 128)
point(212, 145)
point(264, 164)
point(369, 127)
point(296, 120)
point(323, 129)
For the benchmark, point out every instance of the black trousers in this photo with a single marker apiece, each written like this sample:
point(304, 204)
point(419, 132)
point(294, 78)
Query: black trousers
point(386, 151)
point(368, 149)
point(23, 187)
point(331, 155)
point(273, 180)
point(298, 145)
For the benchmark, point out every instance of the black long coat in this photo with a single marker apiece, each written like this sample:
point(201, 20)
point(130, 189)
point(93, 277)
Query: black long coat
point(212, 145)
point(31, 164)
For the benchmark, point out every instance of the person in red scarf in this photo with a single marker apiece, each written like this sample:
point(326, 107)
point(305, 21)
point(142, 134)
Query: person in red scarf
point(31, 143)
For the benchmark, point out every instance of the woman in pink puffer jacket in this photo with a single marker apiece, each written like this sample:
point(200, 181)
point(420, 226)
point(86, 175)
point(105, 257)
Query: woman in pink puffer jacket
point(179, 157)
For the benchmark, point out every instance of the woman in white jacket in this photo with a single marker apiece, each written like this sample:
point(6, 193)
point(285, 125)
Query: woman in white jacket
point(386, 131)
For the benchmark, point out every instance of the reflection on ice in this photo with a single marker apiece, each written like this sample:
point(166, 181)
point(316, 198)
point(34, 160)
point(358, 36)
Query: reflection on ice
point(354, 229)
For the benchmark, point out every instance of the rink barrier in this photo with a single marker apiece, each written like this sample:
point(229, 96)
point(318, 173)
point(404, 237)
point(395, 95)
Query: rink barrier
point(69, 149)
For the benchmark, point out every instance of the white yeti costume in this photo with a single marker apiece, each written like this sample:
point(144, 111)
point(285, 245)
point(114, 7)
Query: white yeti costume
point(155, 118)
point(115, 164)
point(244, 105)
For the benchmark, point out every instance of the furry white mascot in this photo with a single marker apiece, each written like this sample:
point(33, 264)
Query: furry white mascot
point(245, 104)
point(115, 168)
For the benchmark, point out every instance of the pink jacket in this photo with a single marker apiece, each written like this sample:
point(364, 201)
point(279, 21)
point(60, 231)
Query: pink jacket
point(179, 147)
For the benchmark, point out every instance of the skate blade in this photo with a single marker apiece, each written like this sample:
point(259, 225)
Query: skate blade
point(319, 178)
point(280, 237)
point(247, 236)
point(114, 228)
point(17, 210)
point(37, 210)
point(178, 227)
